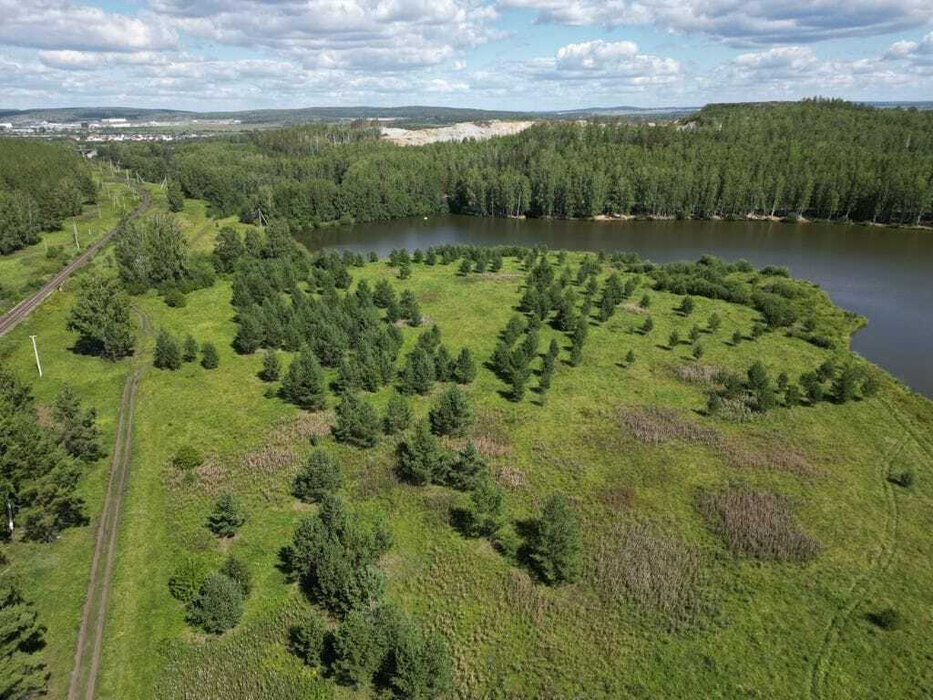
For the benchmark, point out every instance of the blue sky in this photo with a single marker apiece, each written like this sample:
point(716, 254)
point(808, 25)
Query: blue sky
point(496, 54)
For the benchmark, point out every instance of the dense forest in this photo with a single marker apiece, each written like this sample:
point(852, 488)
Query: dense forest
point(815, 159)
point(41, 183)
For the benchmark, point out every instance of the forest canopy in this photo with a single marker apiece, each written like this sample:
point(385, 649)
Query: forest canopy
point(817, 159)
point(41, 183)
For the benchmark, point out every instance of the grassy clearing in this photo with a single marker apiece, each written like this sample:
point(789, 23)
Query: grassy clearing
point(753, 626)
point(28, 269)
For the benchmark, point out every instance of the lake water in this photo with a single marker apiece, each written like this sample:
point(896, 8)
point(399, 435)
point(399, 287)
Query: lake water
point(882, 274)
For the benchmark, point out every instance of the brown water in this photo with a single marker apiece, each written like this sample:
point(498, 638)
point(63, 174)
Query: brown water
point(882, 274)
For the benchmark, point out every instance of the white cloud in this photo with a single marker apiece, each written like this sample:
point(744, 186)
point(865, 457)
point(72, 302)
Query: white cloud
point(739, 21)
point(616, 63)
point(60, 25)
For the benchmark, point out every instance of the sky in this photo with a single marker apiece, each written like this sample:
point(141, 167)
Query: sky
point(492, 54)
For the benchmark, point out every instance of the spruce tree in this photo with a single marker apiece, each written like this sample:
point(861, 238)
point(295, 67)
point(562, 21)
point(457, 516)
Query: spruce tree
point(714, 323)
point(271, 369)
point(76, 430)
point(209, 357)
point(647, 326)
point(451, 414)
point(397, 416)
point(630, 357)
point(357, 422)
point(218, 606)
point(303, 384)
point(464, 370)
point(189, 349)
point(556, 548)
point(226, 517)
point(443, 365)
point(167, 354)
point(23, 673)
point(760, 385)
point(237, 571)
point(687, 306)
point(418, 374)
point(467, 469)
point(485, 516)
point(673, 340)
point(421, 459)
point(320, 475)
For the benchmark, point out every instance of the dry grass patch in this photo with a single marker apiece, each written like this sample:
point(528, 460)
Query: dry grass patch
point(756, 524)
point(489, 447)
point(767, 453)
point(633, 561)
point(511, 478)
point(654, 425)
point(280, 450)
point(698, 374)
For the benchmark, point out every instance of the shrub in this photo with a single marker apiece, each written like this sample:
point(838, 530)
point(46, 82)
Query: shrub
point(630, 357)
point(756, 524)
point(175, 298)
point(687, 306)
point(320, 475)
point(451, 415)
point(186, 579)
point(218, 605)
point(421, 459)
point(360, 645)
point(237, 571)
point(187, 457)
point(306, 639)
point(886, 618)
point(189, 349)
point(484, 514)
point(167, 353)
point(556, 547)
point(226, 517)
point(209, 357)
point(904, 479)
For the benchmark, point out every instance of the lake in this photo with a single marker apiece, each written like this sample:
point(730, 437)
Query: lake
point(882, 274)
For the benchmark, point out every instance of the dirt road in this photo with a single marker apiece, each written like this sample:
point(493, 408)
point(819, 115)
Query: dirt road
point(91, 632)
point(12, 318)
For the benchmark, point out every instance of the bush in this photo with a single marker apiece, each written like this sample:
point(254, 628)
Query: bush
point(187, 457)
point(904, 479)
point(271, 369)
point(226, 517)
point(175, 298)
point(209, 357)
point(421, 459)
point(451, 415)
point(886, 618)
point(237, 571)
point(320, 475)
point(218, 605)
point(306, 639)
point(167, 353)
point(484, 514)
point(186, 579)
point(189, 349)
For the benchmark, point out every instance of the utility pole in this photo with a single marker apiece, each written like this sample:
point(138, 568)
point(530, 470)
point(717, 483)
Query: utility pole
point(36, 352)
point(75, 227)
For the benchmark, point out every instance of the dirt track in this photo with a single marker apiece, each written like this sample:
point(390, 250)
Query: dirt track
point(91, 633)
point(11, 319)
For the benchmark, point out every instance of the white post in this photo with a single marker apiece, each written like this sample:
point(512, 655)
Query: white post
point(36, 352)
point(75, 227)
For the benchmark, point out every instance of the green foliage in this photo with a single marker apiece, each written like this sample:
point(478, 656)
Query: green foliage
point(320, 475)
point(421, 459)
point(174, 196)
point(451, 413)
point(76, 430)
point(307, 638)
point(303, 384)
point(167, 354)
point(238, 572)
point(759, 384)
point(687, 305)
point(357, 422)
point(905, 478)
point(175, 298)
point(187, 457)
point(226, 517)
point(485, 512)
point(186, 579)
point(218, 606)
point(209, 357)
point(556, 546)
point(464, 370)
point(397, 416)
point(630, 357)
point(151, 252)
point(101, 317)
point(467, 469)
point(23, 673)
point(228, 249)
point(189, 349)
point(361, 643)
point(417, 377)
point(271, 368)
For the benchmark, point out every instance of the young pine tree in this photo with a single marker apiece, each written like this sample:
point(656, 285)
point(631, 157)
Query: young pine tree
point(319, 475)
point(226, 517)
point(303, 384)
point(397, 416)
point(421, 459)
point(271, 369)
point(189, 349)
point(209, 357)
point(451, 414)
point(556, 549)
point(357, 422)
point(464, 370)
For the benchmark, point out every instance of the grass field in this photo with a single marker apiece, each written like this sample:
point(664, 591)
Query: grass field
point(28, 269)
point(766, 629)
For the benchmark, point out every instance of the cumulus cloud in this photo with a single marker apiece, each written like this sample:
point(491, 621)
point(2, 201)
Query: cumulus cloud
point(608, 62)
point(60, 25)
point(741, 22)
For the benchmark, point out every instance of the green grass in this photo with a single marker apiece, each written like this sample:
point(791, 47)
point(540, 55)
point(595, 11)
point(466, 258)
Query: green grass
point(25, 270)
point(767, 622)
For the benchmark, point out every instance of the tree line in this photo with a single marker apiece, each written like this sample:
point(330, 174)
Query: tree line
point(41, 183)
point(820, 159)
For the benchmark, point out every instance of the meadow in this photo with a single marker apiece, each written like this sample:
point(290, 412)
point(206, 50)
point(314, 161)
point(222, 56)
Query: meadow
point(668, 604)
